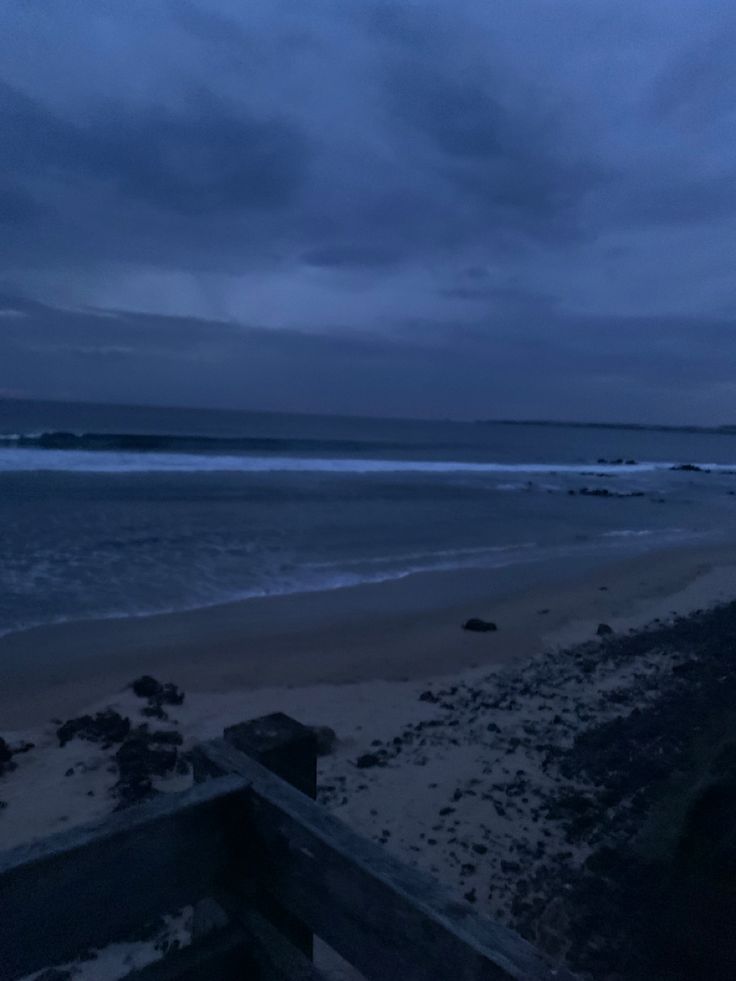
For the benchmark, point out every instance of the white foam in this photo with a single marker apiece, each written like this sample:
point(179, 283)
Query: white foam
point(80, 461)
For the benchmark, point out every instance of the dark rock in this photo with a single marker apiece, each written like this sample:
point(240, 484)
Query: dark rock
point(166, 737)
point(171, 695)
point(604, 492)
point(6, 757)
point(158, 695)
point(147, 687)
point(690, 468)
point(428, 696)
point(479, 626)
point(155, 712)
point(603, 630)
point(368, 760)
point(107, 727)
point(142, 756)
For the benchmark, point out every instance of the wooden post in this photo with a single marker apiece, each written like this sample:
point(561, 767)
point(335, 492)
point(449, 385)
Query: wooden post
point(282, 745)
point(289, 750)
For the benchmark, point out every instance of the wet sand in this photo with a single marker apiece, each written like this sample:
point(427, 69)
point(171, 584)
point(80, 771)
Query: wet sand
point(399, 630)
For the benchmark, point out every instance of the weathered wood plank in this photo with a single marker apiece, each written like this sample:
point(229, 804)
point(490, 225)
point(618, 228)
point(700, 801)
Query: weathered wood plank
point(220, 956)
point(104, 881)
point(276, 957)
point(389, 921)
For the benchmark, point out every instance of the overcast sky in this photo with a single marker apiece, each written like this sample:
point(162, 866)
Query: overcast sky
point(517, 208)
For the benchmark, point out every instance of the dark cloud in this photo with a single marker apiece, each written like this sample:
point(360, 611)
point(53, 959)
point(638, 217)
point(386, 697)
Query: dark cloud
point(202, 158)
point(578, 365)
point(405, 198)
point(351, 256)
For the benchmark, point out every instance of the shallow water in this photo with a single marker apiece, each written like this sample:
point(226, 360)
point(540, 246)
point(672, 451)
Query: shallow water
point(110, 510)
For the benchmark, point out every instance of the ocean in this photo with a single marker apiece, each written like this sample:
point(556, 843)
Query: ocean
point(116, 511)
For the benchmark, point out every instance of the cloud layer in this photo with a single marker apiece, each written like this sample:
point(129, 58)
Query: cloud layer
point(474, 209)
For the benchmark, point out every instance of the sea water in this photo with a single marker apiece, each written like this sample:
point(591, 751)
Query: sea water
point(115, 511)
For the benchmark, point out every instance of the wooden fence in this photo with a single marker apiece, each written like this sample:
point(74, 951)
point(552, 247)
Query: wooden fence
point(265, 868)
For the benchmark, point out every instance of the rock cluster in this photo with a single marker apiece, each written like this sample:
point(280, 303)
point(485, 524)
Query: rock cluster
point(157, 694)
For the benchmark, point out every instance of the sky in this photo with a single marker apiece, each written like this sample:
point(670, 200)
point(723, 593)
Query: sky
point(445, 208)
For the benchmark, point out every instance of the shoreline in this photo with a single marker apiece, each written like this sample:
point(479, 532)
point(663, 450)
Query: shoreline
point(496, 774)
point(394, 630)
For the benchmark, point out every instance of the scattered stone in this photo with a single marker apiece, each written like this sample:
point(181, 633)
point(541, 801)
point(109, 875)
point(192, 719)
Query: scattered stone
point(604, 492)
point(107, 728)
point(368, 760)
point(479, 626)
point(142, 756)
point(158, 695)
point(604, 630)
point(146, 687)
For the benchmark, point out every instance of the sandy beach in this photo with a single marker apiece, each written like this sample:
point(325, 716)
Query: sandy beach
point(406, 629)
point(445, 738)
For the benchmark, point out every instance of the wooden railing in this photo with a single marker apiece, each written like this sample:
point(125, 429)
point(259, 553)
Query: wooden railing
point(280, 869)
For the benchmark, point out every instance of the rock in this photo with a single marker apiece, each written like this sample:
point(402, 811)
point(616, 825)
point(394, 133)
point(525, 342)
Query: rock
point(171, 695)
point(325, 739)
point(147, 687)
point(603, 630)
point(167, 737)
point(142, 756)
point(158, 695)
point(107, 728)
point(690, 468)
point(368, 760)
point(163, 694)
point(428, 696)
point(479, 626)
point(6, 757)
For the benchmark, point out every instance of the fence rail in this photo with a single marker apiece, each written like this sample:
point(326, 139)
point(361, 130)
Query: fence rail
point(279, 867)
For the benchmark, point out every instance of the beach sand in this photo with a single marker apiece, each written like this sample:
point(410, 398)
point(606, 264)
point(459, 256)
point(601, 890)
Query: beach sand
point(400, 630)
point(389, 668)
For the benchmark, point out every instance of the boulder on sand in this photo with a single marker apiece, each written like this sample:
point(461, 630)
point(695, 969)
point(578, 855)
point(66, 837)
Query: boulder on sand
point(479, 626)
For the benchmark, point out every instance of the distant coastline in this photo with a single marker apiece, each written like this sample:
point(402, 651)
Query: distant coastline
point(726, 428)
